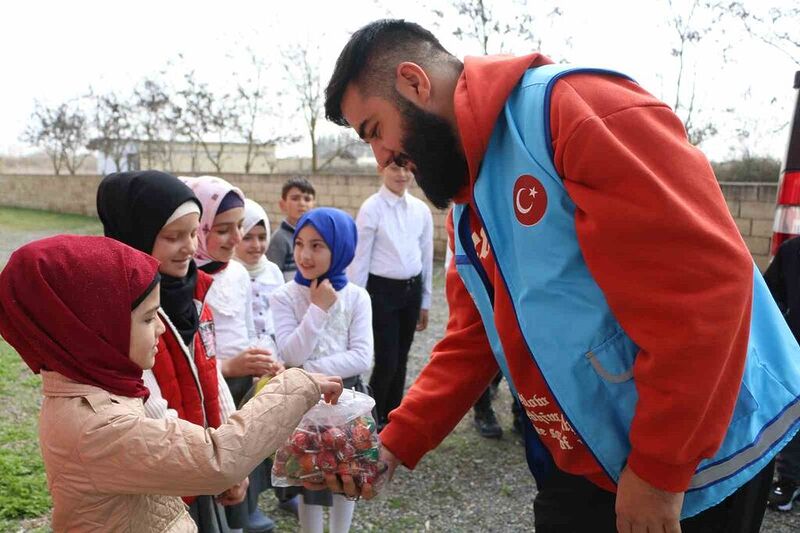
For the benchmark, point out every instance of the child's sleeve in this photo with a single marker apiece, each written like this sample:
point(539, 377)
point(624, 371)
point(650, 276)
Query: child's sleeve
point(358, 271)
point(296, 341)
point(123, 453)
point(358, 357)
point(226, 404)
point(276, 251)
point(248, 311)
point(426, 244)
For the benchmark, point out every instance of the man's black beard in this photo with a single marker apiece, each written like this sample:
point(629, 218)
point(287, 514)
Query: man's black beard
point(430, 143)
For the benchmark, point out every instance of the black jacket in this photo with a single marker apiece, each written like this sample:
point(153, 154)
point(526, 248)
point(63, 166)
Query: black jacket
point(783, 279)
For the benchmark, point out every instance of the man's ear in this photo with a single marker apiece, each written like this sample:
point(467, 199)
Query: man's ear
point(282, 204)
point(413, 83)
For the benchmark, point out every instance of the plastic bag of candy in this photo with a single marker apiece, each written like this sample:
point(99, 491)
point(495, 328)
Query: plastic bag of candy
point(339, 439)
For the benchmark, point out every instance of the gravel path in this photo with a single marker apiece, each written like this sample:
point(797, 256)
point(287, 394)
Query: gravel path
point(468, 483)
point(11, 240)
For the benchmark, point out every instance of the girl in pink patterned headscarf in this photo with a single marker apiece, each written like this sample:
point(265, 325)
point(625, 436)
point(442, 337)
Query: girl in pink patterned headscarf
point(241, 356)
point(217, 197)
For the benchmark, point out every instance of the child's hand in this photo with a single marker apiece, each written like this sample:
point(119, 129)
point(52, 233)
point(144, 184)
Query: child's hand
point(235, 494)
point(277, 368)
point(250, 362)
point(330, 386)
point(323, 295)
point(422, 322)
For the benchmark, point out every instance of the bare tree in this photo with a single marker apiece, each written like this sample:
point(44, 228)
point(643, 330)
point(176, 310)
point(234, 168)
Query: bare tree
point(113, 127)
point(203, 115)
point(255, 102)
point(302, 74)
point(774, 26)
point(151, 107)
point(496, 27)
point(690, 31)
point(345, 145)
point(61, 131)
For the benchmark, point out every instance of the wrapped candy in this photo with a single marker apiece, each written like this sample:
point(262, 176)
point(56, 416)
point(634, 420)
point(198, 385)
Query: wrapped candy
point(339, 439)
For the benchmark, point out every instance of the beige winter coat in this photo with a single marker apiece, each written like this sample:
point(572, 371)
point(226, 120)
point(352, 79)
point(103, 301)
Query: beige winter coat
point(109, 468)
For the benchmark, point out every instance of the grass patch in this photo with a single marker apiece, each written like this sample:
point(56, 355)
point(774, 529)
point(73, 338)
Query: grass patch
point(20, 219)
point(23, 485)
point(397, 503)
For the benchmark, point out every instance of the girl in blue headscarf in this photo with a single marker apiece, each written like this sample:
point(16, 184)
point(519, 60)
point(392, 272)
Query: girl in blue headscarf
point(323, 323)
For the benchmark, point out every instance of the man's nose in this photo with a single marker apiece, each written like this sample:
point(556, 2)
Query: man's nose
point(383, 156)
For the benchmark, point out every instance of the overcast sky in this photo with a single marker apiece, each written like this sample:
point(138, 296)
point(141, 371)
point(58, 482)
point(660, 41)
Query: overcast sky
point(54, 50)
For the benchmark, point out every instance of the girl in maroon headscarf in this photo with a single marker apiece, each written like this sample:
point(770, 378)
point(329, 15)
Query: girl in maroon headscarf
point(82, 311)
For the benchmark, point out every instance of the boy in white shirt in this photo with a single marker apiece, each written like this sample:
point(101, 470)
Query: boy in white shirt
point(394, 261)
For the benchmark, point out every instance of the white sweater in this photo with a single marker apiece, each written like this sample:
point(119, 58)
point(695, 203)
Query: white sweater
point(337, 342)
point(262, 286)
point(231, 301)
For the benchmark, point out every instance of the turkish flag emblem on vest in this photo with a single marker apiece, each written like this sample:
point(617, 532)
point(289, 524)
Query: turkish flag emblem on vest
point(530, 200)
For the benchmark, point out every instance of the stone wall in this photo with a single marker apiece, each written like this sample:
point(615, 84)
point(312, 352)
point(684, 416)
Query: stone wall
point(751, 204)
point(753, 208)
point(76, 194)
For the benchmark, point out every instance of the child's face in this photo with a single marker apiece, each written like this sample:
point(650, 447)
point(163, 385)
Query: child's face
point(253, 246)
point(296, 204)
point(225, 234)
point(175, 245)
point(396, 179)
point(311, 254)
point(146, 328)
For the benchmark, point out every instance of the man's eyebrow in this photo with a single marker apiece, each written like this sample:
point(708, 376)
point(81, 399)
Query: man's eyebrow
point(361, 128)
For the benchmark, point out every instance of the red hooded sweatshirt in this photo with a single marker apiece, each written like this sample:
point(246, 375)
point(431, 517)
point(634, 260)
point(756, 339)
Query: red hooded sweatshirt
point(657, 236)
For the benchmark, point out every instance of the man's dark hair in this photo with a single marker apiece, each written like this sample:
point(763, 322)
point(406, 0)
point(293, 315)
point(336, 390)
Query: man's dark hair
point(297, 182)
point(371, 56)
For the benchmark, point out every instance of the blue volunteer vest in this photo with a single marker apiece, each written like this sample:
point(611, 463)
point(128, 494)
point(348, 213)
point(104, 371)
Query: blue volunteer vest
point(583, 353)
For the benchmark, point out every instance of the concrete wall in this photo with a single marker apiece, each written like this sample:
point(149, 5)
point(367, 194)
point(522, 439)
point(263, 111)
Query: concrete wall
point(751, 204)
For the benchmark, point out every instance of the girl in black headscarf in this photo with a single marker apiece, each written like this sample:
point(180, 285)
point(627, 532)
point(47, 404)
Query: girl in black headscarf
point(156, 213)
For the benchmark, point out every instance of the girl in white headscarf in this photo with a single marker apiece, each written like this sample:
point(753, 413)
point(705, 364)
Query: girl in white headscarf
point(265, 276)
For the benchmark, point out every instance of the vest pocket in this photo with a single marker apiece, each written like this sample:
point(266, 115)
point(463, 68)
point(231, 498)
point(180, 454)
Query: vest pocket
point(612, 360)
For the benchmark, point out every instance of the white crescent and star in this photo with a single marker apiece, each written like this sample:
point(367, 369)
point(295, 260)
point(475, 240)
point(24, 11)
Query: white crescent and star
point(532, 194)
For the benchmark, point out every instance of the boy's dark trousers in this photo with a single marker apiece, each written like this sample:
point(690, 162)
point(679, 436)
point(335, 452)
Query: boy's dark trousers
point(572, 504)
point(395, 311)
point(788, 461)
